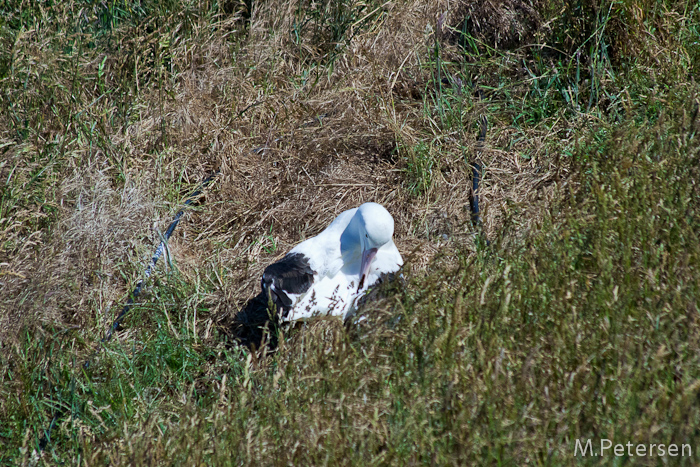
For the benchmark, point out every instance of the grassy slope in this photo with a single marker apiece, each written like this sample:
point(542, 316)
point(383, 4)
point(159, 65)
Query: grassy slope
point(580, 320)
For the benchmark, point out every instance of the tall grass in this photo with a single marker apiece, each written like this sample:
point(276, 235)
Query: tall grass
point(578, 321)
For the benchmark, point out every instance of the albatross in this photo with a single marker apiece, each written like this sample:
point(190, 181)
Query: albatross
point(326, 274)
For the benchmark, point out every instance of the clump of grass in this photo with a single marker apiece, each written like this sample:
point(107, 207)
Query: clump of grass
point(419, 167)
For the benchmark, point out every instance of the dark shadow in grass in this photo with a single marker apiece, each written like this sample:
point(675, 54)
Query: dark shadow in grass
point(253, 326)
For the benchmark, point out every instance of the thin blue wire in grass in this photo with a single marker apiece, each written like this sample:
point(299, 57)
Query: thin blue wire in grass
point(59, 413)
point(154, 260)
point(476, 178)
point(476, 172)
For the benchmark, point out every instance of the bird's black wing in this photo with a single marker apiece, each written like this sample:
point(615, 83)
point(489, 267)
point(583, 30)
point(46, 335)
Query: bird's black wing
point(290, 275)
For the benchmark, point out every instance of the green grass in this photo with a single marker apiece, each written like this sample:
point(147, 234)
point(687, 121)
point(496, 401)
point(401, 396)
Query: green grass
point(579, 320)
point(419, 167)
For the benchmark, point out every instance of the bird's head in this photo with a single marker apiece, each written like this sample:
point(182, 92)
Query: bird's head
point(376, 227)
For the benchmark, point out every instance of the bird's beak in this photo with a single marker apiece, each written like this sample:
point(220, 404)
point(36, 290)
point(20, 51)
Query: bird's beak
point(367, 257)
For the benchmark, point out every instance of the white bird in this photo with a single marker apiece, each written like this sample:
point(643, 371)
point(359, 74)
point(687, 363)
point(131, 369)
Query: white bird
point(326, 274)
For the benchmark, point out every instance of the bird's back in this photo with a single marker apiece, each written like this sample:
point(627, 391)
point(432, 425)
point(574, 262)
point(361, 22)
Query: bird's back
point(325, 245)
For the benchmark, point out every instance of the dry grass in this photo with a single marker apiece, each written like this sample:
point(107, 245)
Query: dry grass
point(111, 117)
point(297, 142)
